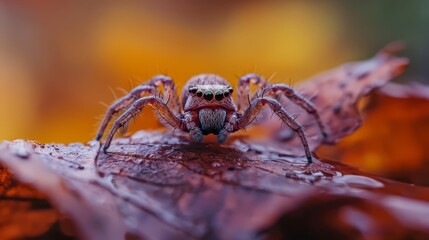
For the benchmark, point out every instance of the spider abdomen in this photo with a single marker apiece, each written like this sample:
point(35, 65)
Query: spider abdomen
point(212, 120)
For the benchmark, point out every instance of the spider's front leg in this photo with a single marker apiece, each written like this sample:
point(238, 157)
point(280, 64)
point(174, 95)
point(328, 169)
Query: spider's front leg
point(162, 109)
point(149, 87)
point(256, 106)
point(244, 89)
point(291, 94)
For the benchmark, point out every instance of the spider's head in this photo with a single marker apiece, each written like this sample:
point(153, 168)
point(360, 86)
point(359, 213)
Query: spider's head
point(208, 91)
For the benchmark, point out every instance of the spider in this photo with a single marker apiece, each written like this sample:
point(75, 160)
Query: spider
point(208, 107)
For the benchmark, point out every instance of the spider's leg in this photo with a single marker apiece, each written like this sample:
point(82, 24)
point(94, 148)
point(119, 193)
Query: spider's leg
point(229, 127)
point(149, 87)
point(123, 103)
point(243, 93)
point(256, 106)
point(169, 92)
point(194, 130)
point(299, 100)
point(161, 108)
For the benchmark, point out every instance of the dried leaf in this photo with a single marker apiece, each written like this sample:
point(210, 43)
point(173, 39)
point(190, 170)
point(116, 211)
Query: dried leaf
point(24, 211)
point(165, 186)
point(335, 94)
point(393, 140)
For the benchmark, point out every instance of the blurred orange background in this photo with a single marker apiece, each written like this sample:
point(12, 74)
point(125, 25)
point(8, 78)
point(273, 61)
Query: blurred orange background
point(59, 60)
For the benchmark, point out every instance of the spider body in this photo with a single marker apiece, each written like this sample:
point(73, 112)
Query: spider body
point(208, 107)
point(208, 99)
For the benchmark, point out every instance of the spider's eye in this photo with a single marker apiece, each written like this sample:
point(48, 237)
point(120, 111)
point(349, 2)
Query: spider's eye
point(208, 95)
point(193, 90)
point(199, 93)
point(226, 94)
point(219, 96)
point(231, 90)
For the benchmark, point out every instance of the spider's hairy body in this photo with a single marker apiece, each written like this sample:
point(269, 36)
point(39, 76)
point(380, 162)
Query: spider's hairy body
point(207, 106)
point(209, 114)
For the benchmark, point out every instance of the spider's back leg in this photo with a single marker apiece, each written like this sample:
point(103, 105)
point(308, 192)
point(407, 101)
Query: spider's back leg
point(123, 103)
point(150, 87)
point(158, 104)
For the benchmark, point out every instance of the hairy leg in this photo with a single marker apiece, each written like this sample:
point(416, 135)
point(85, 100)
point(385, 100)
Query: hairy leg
point(123, 103)
point(149, 87)
point(194, 131)
point(256, 106)
point(161, 108)
point(169, 92)
point(230, 125)
point(243, 91)
point(274, 89)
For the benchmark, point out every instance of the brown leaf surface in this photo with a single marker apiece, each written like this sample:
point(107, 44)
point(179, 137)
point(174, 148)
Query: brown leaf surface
point(393, 139)
point(164, 186)
point(335, 94)
point(21, 208)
